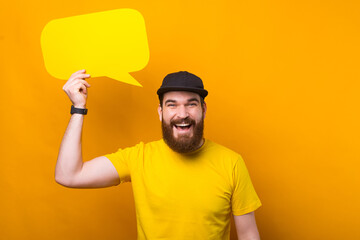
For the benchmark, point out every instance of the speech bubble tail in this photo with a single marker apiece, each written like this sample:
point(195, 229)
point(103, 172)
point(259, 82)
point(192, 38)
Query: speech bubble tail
point(126, 78)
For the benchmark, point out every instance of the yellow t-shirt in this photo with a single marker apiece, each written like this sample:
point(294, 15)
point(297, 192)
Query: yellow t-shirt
point(185, 196)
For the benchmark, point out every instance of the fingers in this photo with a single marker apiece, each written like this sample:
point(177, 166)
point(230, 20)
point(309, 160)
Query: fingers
point(76, 88)
point(80, 71)
point(85, 83)
point(80, 76)
point(81, 88)
point(77, 76)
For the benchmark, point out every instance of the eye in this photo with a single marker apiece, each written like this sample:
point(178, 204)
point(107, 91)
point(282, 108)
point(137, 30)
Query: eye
point(193, 104)
point(171, 105)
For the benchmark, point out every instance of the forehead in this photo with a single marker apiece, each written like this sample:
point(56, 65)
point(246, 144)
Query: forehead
point(180, 96)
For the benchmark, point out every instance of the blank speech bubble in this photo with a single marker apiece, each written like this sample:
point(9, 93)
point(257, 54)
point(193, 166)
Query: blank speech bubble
point(111, 43)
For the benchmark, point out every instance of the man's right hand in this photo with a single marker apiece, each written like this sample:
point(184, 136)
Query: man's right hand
point(76, 88)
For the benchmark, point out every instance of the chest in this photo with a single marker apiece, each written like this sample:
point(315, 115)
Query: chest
point(183, 188)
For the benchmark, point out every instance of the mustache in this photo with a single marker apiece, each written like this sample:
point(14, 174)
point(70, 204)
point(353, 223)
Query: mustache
point(183, 120)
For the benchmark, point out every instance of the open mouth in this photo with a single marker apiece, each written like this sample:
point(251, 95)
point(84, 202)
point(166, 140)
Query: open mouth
point(182, 127)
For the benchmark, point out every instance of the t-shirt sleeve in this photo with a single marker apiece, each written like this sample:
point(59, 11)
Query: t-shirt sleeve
point(124, 160)
point(244, 198)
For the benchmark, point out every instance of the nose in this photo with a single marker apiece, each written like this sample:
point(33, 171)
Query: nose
point(182, 112)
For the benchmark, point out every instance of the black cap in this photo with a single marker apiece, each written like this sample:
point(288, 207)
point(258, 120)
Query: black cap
point(182, 81)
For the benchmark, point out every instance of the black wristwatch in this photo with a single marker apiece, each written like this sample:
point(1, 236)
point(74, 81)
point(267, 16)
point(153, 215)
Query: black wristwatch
point(82, 111)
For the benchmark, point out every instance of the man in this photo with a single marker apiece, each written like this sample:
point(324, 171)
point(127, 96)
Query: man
point(185, 186)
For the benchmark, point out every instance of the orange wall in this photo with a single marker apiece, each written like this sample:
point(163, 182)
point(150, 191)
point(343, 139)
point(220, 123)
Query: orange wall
point(283, 81)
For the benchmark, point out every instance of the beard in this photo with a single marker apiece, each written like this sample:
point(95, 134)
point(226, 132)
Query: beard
point(183, 143)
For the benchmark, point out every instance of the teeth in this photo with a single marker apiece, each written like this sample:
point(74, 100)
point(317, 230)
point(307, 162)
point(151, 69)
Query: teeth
point(182, 125)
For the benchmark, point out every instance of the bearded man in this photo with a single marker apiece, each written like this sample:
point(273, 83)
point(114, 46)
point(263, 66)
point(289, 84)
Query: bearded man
point(185, 186)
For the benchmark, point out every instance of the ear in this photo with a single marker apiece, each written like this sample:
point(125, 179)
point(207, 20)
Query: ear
point(160, 112)
point(204, 108)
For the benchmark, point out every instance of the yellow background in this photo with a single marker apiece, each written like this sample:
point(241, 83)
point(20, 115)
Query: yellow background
point(283, 81)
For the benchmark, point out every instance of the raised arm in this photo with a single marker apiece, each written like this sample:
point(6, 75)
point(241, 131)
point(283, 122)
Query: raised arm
point(70, 169)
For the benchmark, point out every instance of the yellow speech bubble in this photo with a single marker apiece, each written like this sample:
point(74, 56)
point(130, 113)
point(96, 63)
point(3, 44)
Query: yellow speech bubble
point(111, 43)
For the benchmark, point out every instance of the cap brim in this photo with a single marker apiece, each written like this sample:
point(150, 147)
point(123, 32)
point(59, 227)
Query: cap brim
point(202, 92)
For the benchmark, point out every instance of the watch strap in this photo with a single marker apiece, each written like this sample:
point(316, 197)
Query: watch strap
point(82, 111)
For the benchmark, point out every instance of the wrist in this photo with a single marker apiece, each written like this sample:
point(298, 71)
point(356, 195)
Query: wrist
point(79, 106)
point(78, 110)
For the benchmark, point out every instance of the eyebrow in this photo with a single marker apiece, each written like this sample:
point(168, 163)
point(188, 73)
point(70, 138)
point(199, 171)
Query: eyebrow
point(189, 100)
point(170, 100)
point(193, 99)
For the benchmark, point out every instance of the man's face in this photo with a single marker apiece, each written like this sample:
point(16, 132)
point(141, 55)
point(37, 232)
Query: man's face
point(182, 116)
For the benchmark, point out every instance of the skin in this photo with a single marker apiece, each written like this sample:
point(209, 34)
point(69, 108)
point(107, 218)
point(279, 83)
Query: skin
point(72, 172)
point(246, 227)
point(179, 106)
